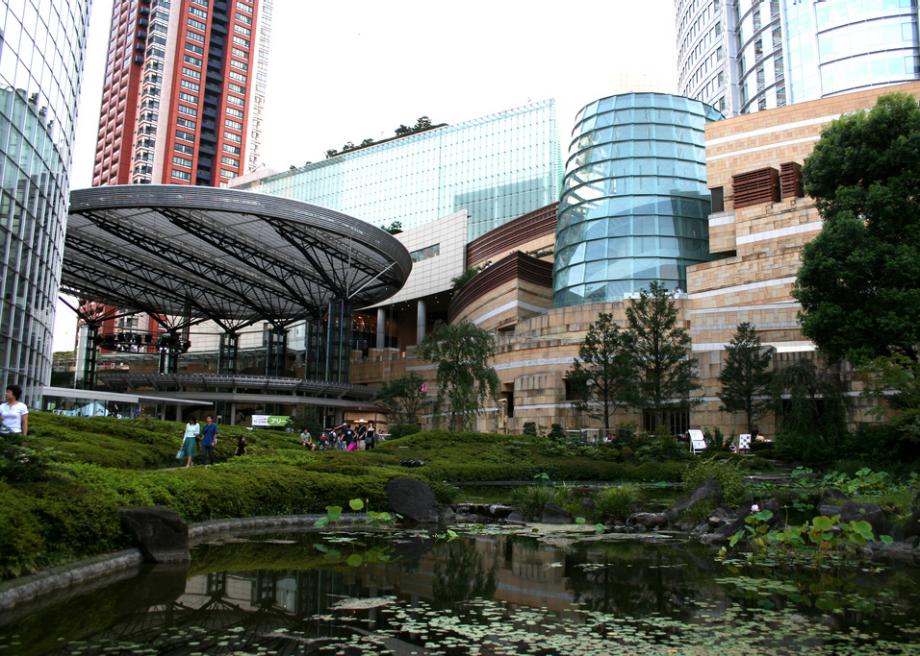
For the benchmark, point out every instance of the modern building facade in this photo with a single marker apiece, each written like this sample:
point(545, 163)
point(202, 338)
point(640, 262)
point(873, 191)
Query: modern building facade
point(183, 92)
point(41, 61)
point(751, 55)
point(496, 168)
point(634, 203)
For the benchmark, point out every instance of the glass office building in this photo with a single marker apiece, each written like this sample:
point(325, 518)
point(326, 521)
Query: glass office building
point(497, 167)
point(41, 60)
point(634, 205)
point(751, 55)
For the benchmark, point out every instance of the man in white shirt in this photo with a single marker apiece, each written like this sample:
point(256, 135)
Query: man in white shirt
point(15, 414)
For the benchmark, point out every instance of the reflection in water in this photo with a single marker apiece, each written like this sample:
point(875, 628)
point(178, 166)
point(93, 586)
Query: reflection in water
point(479, 594)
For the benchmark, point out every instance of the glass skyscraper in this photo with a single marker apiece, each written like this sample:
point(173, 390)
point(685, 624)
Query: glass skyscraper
point(41, 60)
point(751, 55)
point(635, 205)
point(496, 167)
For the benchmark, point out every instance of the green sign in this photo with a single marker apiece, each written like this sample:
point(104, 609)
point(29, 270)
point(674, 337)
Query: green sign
point(270, 421)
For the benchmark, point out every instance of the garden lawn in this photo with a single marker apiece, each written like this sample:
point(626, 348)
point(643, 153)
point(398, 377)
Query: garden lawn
point(90, 467)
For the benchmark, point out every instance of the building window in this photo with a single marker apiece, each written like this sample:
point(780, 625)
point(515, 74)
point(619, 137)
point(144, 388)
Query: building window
point(233, 111)
point(229, 161)
point(236, 101)
point(190, 111)
point(717, 199)
point(235, 138)
point(231, 149)
point(201, 13)
point(188, 84)
point(188, 97)
point(182, 134)
point(184, 148)
point(189, 59)
point(185, 123)
point(426, 253)
point(194, 36)
point(242, 54)
point(237, 88)
point(181, 175)
point(228, 174)
point(191, 47)
point(240, 65)
point(236, 125)
point(240, 41)
point(244, 19)
point(191, 72)
point(239, 29)
point(198, 25)
point(182, 161)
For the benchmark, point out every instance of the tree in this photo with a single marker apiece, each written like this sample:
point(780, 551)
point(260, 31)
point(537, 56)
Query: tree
point(366, 142)
point(403, 130)
point(465, 379)
point(859, 283)
point(403, 397)
point(895, 381)
point(394, 228)
point(746, 376)
point(666, 373)
point(460, 281)
point(332, 152)
point(605, 370)
point(423, 123)
point(811, 408)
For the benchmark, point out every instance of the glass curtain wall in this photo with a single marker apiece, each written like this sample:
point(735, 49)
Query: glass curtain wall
point(634, 205)
point(41, 60)
point(497, 167)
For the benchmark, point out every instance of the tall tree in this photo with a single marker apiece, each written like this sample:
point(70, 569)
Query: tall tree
point(605, 370)
point(746, 375)
point(403, 397)
point(666, 372)
point(859, 283)
point(465, 379)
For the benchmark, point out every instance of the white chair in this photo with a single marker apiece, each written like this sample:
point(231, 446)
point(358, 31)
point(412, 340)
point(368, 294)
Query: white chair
point(744, 442)
point(697, 441)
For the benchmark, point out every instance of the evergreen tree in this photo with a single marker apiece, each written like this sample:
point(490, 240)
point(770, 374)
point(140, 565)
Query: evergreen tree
point(666, 372)
point(403, 397)
point(746, 376)
point(605, 370)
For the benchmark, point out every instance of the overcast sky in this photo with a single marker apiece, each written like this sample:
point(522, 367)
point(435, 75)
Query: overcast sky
point(343, 71)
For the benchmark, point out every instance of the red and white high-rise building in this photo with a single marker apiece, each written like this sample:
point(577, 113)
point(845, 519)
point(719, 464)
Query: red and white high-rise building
point(184, 91)
point(182, 103)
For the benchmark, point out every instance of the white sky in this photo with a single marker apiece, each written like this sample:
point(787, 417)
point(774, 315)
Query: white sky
point(343, 71)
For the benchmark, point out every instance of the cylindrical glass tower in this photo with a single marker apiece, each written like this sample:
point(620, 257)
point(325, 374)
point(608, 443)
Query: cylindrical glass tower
point(634, 205)
point(41, 59)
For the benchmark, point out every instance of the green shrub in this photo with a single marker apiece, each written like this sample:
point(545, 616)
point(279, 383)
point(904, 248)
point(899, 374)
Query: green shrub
point(530, 428)
point(625, 434)
point(401, 430)
point(615, 502)
point(727, 472)
point(556, 432)
point(529, 501)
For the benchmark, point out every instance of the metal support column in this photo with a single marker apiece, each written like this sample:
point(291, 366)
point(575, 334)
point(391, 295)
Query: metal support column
point(338, 341)
point(226, 357)
point(276, 352)
point(89, 334)
point(421, 321)
point(381, 327)
point(169, 347)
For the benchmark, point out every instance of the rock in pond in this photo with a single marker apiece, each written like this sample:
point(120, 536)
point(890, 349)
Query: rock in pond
point(159, 532)
point(413, 499)
point(711, 490)
point(553, 514)
point(649, 520)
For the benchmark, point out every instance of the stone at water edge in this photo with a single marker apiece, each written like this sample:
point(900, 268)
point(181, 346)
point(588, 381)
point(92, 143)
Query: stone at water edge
point(413, 499)
point(553, 514)
point(159, 532)
point(710, 490)
point(648, 520)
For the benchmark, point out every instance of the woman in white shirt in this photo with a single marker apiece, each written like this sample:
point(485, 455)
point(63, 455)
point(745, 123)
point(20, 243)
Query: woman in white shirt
point(189, 442)
point(15, 414)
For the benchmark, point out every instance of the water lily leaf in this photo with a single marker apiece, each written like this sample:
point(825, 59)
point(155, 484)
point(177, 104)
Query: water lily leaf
point(356, 504)
point(322, 521)
point(580, 520)
point(354, 560)
point(886, 539)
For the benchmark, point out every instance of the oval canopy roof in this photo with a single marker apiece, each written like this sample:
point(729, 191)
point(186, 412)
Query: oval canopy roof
point(223, 254)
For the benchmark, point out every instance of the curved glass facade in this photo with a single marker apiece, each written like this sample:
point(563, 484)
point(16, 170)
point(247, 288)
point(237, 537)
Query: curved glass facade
point(634, 205)
point(41, 59)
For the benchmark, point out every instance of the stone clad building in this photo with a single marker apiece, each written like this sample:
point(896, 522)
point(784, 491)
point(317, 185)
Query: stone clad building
point(759, 222)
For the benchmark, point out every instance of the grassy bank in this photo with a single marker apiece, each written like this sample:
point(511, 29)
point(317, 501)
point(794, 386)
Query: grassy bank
point(62, 502)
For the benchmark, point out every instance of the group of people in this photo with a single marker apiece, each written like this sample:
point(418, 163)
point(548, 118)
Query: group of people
point(342, 438)
point(205, 437)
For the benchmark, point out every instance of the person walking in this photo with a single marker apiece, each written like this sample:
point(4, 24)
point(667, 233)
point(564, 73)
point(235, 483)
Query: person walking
point(370, 436)
point(189, 442)
point(14, 413)
point(209, 440)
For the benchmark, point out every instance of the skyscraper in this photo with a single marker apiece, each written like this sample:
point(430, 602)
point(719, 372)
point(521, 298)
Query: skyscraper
point(750, 55)
point(183, 92)
point(41, 61)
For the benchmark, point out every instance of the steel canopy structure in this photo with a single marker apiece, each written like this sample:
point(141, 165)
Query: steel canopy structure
point(221, 254)
point(187, 254)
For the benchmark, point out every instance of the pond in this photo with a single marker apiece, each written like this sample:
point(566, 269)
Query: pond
point(483, 592)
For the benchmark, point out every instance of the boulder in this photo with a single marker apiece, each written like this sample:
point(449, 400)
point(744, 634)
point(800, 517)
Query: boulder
point(159, 533)
point(553, 514)
point(413, 499)
point(711, 490)
point(911, 529)
point(872, 513)
point(515, 517)
point(649, 520)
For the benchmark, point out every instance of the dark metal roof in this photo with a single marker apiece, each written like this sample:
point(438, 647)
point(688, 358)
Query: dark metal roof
point(223, 254)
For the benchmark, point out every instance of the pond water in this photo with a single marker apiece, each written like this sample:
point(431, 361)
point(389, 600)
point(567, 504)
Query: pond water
point(484, 592)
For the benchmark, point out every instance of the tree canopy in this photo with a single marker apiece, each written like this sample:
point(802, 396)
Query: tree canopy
point(465, 379)
point(403, 397)
point(666, 372)
point(605, 370)
point(746, 376)
point(859, 283)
